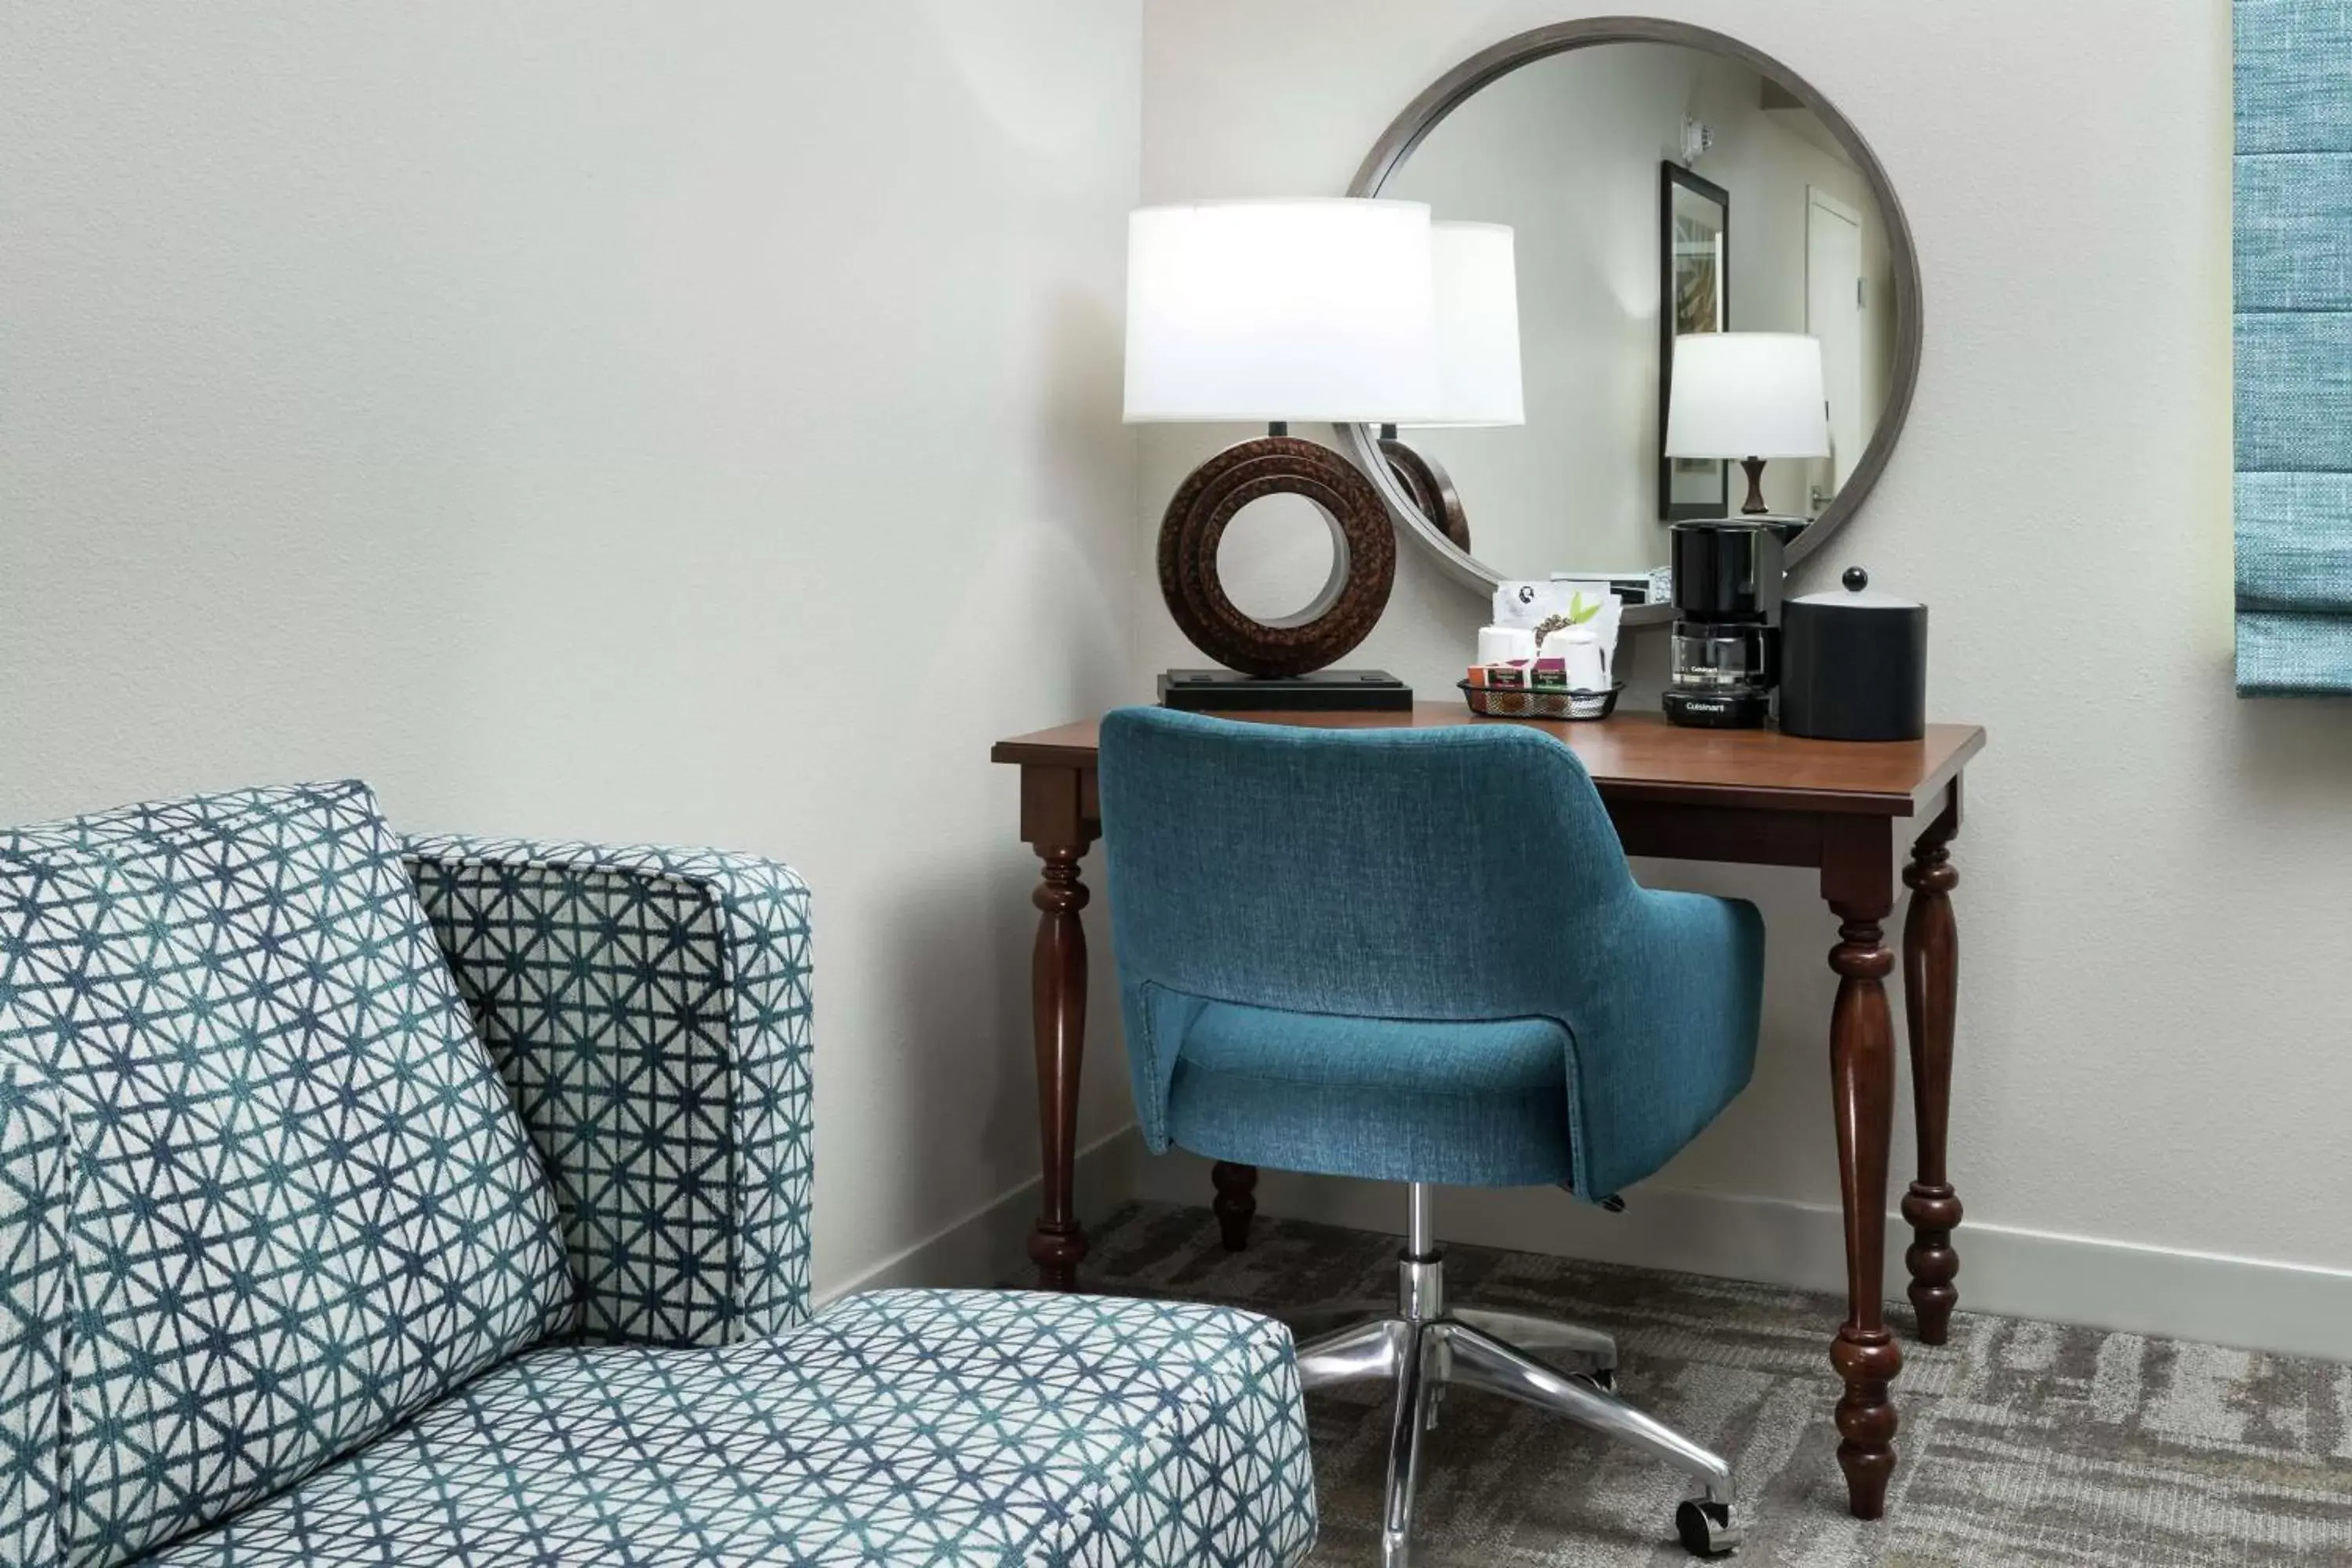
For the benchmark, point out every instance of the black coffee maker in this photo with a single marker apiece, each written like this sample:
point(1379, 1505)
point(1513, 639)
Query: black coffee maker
point(1725, 652)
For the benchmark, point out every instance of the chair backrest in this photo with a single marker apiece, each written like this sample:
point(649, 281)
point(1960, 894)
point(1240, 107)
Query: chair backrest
point(278, 1179)
point(1454, 873)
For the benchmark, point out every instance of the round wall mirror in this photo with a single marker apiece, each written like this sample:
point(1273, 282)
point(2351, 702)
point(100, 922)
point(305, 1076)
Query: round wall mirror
point(1658, 181)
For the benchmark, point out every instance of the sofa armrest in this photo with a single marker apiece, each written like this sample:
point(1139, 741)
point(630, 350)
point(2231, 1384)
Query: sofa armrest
point(37, 1153)
point(649, 1010)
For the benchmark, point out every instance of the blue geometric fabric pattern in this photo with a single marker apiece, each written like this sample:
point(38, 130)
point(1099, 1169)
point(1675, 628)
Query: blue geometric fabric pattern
point(920, 1429)
point(37, 1154)
point(285, 1281)
point(300, 1207)
point(2292, 267)
point(649, 1011)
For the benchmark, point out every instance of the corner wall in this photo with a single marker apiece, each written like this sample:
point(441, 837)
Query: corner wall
point(688, 423)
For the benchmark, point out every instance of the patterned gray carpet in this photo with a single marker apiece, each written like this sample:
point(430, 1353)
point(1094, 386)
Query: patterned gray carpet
point(2023, 1443)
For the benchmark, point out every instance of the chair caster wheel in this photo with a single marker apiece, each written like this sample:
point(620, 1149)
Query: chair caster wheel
point(1705, 1528)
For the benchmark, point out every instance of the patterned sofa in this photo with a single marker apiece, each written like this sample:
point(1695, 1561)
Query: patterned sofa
point(447, 1202)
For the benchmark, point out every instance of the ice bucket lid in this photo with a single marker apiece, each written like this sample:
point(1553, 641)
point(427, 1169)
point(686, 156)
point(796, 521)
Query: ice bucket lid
point(1856, 594)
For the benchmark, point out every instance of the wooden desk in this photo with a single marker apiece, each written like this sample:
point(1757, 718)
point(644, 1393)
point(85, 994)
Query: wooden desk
point(1755, 797)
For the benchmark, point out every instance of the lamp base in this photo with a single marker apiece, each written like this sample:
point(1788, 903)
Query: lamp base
point(1363, 559)
point(1324, 691)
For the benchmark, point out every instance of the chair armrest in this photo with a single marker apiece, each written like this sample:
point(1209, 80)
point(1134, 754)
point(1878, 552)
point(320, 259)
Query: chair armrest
point(649, 1010)
point(1673, 1037)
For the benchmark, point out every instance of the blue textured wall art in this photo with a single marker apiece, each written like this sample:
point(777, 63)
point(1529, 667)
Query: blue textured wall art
point(2293, 255)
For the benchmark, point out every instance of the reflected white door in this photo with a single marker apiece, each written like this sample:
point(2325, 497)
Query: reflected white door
point(1833, 309)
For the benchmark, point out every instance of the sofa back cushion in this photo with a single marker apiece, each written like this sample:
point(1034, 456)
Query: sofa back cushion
point(301, 1206)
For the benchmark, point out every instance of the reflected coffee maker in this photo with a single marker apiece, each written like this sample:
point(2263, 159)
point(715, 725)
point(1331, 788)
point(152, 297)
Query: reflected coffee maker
point(1727, 642)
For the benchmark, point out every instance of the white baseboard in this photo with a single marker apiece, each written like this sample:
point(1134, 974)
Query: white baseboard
point(990, 1245)
point(2250, 1304)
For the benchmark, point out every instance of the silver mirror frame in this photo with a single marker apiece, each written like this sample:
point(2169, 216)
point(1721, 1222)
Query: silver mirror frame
point(1449, 91)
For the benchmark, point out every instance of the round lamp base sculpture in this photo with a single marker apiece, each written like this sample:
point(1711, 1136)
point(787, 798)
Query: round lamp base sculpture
point(1363, 566)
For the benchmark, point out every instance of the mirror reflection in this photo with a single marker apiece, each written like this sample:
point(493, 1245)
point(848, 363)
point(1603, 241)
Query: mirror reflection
point(1651, 191)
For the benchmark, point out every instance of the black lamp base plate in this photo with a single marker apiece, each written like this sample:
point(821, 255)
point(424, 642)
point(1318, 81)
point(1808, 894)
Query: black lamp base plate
point(1324, 691)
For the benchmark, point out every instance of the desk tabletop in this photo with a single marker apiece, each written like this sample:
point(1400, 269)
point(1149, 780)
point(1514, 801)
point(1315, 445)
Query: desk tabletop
point(1640, 756)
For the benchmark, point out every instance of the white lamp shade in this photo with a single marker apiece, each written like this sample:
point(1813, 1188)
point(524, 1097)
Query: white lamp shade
point(1747, 395)
point(1257, 311)
point(1476, 278)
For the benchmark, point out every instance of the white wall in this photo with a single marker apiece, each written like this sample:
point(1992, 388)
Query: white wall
point(2155, 1017)
point(690, 423)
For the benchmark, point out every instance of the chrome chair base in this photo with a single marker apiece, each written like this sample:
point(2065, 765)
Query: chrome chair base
point(1425, 1350)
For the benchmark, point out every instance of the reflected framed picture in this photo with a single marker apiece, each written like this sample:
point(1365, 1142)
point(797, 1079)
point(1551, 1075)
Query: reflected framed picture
point(1694, 296)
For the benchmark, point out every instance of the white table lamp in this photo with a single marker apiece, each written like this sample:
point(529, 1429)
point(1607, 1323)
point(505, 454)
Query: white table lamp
point(1749, 396)
point(1264, 312)
point(1268, 312)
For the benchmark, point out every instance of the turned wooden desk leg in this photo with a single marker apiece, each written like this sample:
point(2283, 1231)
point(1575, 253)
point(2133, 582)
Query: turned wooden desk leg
point(1931, 962)
point(1236, 1201)
point(1057, 975)
point(1862, 1066)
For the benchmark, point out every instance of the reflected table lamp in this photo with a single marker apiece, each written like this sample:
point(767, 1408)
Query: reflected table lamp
point(1262, 312)
point(1475, 274)
point(1747, 397)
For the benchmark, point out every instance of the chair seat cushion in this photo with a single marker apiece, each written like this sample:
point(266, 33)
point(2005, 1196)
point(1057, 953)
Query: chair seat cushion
point(902, 1428)
point(1472, 1104)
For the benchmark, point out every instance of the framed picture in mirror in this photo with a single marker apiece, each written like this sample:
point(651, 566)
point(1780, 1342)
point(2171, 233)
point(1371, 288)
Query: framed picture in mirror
point(1694, 296)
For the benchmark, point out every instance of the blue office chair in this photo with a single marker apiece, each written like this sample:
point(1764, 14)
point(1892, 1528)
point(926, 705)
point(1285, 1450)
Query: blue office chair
point(1418, 955)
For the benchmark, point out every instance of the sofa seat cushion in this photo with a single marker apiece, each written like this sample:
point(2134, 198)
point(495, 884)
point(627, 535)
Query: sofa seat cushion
point(1468, 1103)
point(902, 1428)
point(300, 1206)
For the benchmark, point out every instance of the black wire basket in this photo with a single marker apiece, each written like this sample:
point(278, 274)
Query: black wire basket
point(1512, 703)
